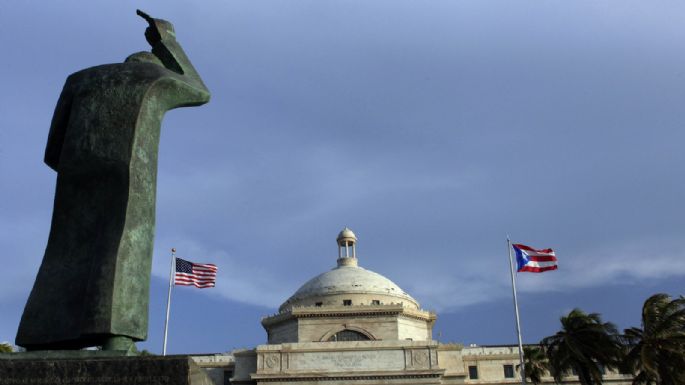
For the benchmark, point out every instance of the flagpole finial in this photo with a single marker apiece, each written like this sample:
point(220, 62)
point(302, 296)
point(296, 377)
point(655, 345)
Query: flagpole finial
point(173, 249)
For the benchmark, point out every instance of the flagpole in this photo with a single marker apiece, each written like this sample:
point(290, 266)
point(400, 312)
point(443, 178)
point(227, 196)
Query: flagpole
point(168, 300)
point(516, 310)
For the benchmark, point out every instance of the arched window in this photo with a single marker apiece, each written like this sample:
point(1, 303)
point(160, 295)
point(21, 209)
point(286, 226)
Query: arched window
point(349, 335)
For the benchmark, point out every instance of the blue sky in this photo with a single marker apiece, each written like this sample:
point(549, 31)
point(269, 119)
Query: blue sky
point(430, 128)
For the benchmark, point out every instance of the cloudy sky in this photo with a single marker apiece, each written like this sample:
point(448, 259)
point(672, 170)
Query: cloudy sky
point(431, 128)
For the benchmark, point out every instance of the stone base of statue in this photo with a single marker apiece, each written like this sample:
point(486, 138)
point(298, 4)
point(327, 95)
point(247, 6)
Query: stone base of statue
point(92, 368)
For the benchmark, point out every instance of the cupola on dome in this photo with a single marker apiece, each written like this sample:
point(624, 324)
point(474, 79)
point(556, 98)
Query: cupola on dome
point(346, 235)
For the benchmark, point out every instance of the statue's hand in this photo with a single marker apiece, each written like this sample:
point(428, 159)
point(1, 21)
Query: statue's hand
point(158, 30)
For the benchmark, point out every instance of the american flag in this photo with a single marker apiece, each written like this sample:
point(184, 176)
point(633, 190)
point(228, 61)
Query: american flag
point(200, 275)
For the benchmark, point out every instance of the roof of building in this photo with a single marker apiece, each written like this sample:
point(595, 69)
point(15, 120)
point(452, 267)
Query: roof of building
point(348, 278)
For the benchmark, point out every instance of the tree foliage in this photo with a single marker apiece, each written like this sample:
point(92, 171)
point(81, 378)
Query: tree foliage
point(6, 347)
point(535, 363)
point(656, 352)
point(585, 345)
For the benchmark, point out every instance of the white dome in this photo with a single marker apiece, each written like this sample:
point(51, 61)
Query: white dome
point(351, 282)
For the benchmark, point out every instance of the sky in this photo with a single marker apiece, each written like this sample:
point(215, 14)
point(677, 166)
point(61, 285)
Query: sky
point(431, 128)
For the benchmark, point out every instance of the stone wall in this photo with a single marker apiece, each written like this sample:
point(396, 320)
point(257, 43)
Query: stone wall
point(245, 365)
point(217, 366)
point(411, 328)
point(490, 361)
point(287, 331)
point(378, 322)
point(346, 362)
point(318, 329)
point(373, 362)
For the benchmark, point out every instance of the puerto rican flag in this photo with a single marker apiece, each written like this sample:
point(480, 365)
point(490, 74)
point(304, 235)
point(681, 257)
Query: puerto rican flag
point(534, 261)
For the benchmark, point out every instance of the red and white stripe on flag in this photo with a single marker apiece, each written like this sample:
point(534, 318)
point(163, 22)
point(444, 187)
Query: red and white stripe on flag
point(200, 275)
point(534, 260)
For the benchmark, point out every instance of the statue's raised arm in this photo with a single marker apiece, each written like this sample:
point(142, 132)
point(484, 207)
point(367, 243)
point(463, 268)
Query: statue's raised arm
point(161, 36)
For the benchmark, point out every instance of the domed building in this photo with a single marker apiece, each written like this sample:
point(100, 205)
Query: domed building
point(346, 325)
point(349, 303)
point(350, 325)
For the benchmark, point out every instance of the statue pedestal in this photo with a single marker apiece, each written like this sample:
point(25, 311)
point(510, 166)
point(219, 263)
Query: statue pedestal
point(26, 369)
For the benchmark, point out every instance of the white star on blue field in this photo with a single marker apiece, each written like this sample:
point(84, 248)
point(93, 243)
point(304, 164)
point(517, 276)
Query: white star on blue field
point(431, 129)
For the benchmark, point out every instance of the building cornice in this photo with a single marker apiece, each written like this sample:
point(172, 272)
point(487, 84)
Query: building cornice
point(359, 376)
point(310, 347)
point(349, 311)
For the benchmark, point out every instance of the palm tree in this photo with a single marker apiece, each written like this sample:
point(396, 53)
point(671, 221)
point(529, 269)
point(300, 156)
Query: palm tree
point(656, 352)
point(585, 345)
point(535, 363)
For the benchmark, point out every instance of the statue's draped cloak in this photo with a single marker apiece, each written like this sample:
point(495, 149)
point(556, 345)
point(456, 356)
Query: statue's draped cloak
point(95, 276)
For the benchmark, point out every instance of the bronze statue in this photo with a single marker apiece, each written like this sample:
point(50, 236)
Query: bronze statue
point(92, 288)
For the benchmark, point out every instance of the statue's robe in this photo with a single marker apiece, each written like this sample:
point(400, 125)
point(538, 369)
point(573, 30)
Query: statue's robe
point(94, 280)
